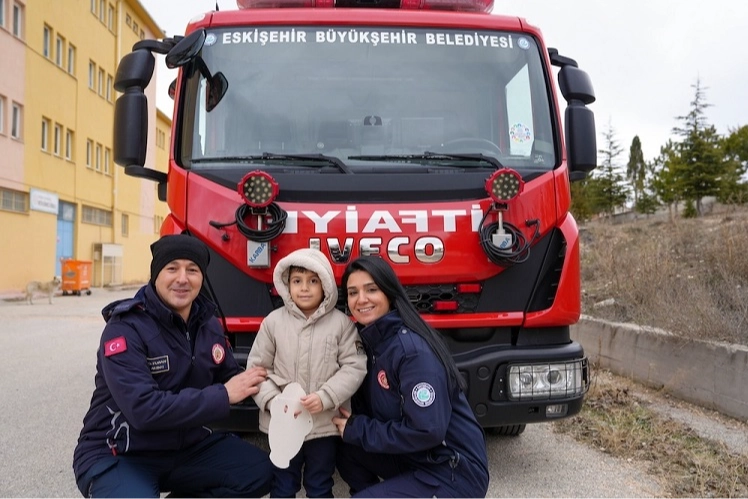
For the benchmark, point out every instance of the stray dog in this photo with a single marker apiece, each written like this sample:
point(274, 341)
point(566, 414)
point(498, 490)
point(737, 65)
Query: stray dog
point(48, 288)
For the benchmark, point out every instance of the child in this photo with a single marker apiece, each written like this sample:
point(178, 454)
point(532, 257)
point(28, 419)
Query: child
point(309, 342)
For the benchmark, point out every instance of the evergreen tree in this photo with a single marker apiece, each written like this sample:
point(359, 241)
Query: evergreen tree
point(664, 181)
point(734, 189)
point(701, 168)
point(607, 187)
point(636, 168)
point(581, 206)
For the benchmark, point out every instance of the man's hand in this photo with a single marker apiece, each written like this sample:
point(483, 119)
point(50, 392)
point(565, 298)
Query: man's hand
point(312, 403)
point(341, 421)
point(245, 384)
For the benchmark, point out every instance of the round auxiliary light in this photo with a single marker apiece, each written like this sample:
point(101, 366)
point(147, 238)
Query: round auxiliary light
point(504, 185)
point(258, 189)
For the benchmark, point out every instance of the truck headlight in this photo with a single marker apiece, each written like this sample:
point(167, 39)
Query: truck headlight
point(548, 381)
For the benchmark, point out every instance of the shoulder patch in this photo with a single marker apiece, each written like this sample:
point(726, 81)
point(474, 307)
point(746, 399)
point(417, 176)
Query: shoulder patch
point(218, 353)
point(423, 394)
point(115, 346)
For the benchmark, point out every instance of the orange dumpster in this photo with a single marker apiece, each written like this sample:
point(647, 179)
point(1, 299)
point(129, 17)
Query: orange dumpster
point(76, 277)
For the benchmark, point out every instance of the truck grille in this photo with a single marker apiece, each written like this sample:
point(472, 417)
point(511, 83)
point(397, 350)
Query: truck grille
point(422, 297)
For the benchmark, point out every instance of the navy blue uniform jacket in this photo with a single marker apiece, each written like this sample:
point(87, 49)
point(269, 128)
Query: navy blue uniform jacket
point(405, 406)
point(163, 382)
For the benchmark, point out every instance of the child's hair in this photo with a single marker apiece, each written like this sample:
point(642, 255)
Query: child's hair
point(296, 268)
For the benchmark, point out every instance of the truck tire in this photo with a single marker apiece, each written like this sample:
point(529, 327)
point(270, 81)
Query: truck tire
point(508, 431)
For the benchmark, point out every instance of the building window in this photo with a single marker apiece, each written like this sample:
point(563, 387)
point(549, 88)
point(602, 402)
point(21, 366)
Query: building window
point(89, 153)
point(160, 139)
point(107, 159)
point(57, 143)
point(69, 141)
point(157, 222)
point(125, 225)
point(128, 20)
point(45, 134)
point(142, 34)
point(93, 7)
point(71, 59)
point(135, 27)
point(18, 20)
point(95, 216)
point(59, 50)
point(102, 10)
point(2, 13)
point(15, 125)
point(13, 201)
point(2, 111)
point(110, 18)
point(101, 82)
point(47, 42)
point(109, 84)
point(98, 157)
point(91, 75)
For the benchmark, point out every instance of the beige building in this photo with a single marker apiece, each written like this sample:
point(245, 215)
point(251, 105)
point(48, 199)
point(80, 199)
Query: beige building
point(61, 195)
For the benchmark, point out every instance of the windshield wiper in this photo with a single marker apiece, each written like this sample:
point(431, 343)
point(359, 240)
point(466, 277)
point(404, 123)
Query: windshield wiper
point(432, 156)
point(328, 160)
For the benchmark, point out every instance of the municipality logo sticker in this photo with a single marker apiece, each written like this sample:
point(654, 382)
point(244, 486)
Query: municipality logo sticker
point(423, 394)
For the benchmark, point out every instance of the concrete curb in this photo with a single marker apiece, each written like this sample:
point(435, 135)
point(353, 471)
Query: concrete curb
point(709, 374)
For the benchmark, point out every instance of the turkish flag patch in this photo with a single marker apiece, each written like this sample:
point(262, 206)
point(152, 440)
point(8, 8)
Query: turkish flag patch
point(115, 346)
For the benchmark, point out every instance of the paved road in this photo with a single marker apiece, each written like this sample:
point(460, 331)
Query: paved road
point(47, 354)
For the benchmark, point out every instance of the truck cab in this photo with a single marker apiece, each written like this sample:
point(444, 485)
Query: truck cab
point(427, 132)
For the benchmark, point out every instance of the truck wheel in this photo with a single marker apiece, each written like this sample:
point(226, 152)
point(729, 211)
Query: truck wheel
point(508, 431)
point(88, 292)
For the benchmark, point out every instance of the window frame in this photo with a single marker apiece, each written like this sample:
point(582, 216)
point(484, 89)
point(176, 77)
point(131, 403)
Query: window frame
point(18, 16)
point(97, 158)
point(107, 161)
point(91, 75)
point(16, 198)
point(89, 153)
point(69, 144)
point(46, 125)
point(16, 126)
point(59, 51)
point(100, 87)
point(57, 140)
point(47, 42)
point(71, 59)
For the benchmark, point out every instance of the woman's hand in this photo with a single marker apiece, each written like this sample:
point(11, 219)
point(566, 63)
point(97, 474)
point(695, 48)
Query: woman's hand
point(341, 421)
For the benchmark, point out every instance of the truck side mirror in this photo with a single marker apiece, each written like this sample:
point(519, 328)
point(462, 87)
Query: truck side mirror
point(581, 137)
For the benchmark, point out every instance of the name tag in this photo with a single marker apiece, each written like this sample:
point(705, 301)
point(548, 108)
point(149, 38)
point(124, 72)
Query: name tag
point(158, 364)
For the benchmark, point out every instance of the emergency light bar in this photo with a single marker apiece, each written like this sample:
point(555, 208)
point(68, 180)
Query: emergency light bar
point(455, 5)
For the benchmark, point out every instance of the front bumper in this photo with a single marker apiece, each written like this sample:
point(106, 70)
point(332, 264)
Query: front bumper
point(495, 403)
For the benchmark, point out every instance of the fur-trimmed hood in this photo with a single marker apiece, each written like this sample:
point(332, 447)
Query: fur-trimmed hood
point(315, 261)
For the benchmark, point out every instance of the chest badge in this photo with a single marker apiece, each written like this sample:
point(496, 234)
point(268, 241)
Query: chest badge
point(218, 353)
point(382, 379)
point(423, 394)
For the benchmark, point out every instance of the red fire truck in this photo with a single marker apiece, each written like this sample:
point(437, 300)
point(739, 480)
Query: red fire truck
point(427, 132)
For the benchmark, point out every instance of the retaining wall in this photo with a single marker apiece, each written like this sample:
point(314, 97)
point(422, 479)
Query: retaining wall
point(709, 374)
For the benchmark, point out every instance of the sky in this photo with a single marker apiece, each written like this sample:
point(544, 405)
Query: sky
point(644, 58)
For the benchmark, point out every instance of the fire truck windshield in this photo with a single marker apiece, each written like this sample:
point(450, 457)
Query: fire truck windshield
point(367, 93)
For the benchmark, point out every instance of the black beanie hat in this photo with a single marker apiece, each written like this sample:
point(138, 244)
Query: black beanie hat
point(178, 247)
